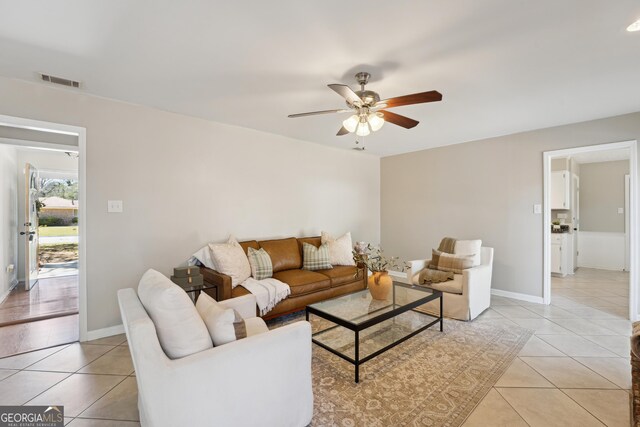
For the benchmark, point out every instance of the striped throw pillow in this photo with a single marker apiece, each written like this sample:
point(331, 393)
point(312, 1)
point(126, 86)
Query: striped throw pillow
point(315, 258)
point(447, 262)
point(260, 261)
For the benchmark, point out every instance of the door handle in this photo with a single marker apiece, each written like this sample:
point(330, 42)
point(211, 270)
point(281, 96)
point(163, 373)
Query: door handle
point(22, 233)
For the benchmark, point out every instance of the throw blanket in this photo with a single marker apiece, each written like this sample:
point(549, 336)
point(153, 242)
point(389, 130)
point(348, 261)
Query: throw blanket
point(447, 245)
point(268, 292)
point(428, 276)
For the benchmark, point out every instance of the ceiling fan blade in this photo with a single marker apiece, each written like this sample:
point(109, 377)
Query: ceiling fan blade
point(313, 113)
point(399, 120)
point(342, 131)
point(348, 94)
point(415, 98)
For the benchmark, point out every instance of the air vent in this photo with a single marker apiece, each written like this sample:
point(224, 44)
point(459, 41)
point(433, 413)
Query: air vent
point(60, 80)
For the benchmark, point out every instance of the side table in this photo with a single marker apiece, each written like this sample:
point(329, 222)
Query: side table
point(197, 289)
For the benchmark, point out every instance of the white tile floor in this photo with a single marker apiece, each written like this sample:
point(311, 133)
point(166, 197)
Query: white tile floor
point(575, 370)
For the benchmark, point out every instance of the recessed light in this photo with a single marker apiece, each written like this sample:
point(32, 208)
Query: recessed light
point(634, 27)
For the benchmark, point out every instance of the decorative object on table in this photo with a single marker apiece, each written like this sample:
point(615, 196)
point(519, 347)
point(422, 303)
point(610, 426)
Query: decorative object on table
point(187, 276)
point(379, 264)
point(360, 248)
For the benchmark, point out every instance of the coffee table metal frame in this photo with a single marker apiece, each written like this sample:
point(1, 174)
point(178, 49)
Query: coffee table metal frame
point(357, 327)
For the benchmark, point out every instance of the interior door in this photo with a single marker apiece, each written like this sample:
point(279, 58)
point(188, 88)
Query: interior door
point(30, 233)
point(575, 218)
point(626, 223)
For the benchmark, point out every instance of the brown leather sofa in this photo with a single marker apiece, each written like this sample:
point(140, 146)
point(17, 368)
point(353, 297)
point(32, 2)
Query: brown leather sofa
point(307, 286)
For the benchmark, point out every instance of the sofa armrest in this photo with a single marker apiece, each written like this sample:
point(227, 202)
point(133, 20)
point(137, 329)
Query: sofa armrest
point(225, 380)
point(245, 305)
point(415, 267)
point(221, 280)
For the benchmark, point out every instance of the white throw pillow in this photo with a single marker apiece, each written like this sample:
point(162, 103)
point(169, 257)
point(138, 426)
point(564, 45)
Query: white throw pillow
point(224, 324)
point(340, 249)
point(230, 259)
point(204, 256)
point(469, 247)
point(180, 329)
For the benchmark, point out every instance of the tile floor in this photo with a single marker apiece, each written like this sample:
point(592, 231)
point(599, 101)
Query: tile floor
point(573, 371)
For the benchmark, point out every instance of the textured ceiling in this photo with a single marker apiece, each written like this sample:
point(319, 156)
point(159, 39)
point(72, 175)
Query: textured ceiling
point(503, 66)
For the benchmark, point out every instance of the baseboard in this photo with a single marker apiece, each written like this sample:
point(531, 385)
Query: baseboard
point(105, 332)
point(517, 295)
point(6, 293)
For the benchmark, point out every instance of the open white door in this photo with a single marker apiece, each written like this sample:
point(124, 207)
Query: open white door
point(32, 189)
point(627, 226)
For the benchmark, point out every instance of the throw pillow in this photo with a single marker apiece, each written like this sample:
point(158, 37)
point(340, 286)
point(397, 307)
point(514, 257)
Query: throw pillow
point(315, 258)
point(204, 257)
point(224, 324)
point(230, 259)
point(340, 249)
point(180, 328)
point(260, 261)
point(447, 262)
point(469, 247)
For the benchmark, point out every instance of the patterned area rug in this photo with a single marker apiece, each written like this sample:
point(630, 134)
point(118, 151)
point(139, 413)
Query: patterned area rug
point(432, 379)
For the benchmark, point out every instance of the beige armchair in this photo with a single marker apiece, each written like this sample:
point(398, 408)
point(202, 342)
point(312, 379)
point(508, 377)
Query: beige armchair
point(467, 295)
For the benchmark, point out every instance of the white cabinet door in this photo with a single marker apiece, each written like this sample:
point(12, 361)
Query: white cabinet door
point(556, 259)
point(560, 190)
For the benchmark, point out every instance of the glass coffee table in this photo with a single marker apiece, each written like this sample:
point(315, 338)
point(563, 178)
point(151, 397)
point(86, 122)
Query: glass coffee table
point(358, 328)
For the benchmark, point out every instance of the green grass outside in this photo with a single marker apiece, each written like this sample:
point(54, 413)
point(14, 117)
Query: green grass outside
point(71, 230)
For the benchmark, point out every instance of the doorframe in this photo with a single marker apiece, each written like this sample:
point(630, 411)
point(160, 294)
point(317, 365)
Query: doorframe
point(81, 133)
point(633, 216)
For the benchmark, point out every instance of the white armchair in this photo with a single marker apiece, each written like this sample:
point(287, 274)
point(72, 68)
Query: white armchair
point(263, 379)
point(467, 295)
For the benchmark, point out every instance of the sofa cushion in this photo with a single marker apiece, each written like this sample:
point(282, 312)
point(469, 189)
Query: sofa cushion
point(303, 281)
point(255, 326)
point(261, 267)
point(342, 274)
point(284, 253)
point(340, 249)
point(469, 247)
point(451, 286)
point(315, 258)
point(249, 244)
point(224, 324)
point(180, 329)
point(231, 260)
point(448, 262)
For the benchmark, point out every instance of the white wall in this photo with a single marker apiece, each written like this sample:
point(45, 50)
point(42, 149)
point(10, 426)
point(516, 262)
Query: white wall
point(42, 160)
point(186, 181)
point(8, 218)
point(484, 189)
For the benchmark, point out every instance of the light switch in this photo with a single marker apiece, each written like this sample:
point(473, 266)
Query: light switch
point(620, 210)
point(114, 206)
point(537, 209)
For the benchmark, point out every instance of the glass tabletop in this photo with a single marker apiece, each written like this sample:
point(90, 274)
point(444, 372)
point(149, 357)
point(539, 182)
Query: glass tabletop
point(359, 307)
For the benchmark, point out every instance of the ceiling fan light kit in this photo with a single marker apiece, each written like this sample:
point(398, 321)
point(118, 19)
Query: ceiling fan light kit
point(369, 112)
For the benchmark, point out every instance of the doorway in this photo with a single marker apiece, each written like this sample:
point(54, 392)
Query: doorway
point(588, 240)
point(44, 303)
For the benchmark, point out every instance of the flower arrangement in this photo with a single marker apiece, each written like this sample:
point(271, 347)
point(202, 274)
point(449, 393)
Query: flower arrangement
point(374, 258)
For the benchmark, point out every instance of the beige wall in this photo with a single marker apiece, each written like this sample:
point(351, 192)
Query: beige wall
point(8, 217)
point(186, 181)
point(601, 194)
point(483, 189)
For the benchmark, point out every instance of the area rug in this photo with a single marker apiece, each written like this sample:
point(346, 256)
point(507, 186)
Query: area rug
point(433, 379)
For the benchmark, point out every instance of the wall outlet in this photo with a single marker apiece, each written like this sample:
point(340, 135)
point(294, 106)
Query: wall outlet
point(537, 209)
point(114, 206)
point(620, 210)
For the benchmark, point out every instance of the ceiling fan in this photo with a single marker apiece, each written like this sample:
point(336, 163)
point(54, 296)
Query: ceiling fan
point(369, 112)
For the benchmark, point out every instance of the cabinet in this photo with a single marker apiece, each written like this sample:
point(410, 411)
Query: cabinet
point(560, 190)
point(560, 252)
